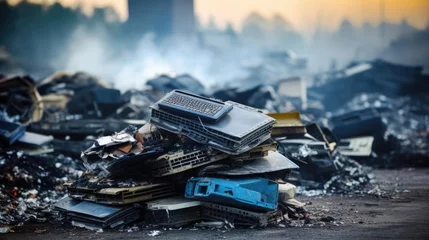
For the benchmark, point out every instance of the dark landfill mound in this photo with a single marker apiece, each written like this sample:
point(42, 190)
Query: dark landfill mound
point(77, 152)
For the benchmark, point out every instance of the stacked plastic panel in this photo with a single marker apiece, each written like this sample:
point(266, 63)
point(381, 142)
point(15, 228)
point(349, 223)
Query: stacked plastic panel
point(97, 216)
point(242, 129)
point(148, 165)
point(121, 196)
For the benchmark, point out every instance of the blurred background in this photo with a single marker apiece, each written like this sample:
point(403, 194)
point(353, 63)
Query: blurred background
point(221, 43)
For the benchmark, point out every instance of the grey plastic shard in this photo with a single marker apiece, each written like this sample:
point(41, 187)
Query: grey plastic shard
point(242, 129)
point(271, 163)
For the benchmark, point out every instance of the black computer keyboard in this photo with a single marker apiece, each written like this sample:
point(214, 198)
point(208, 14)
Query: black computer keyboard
point(190, 104)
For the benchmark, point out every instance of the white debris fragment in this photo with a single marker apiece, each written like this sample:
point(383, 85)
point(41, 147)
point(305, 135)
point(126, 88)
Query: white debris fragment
point(305, 151)
point(154, 233)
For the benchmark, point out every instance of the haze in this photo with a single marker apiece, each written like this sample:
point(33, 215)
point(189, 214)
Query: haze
point(305, 16)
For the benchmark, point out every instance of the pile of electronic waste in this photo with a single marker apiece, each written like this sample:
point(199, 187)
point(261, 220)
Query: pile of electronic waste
point(395, 129)
point(198, 159)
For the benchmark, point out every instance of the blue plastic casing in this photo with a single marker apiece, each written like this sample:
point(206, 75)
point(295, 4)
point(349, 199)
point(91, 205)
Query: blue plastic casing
point(252, 193)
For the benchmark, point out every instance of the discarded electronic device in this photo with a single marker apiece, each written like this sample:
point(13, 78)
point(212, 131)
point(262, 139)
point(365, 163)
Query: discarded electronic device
point(11, 132)
point(313, 157)
point(95, 216)
point(121, 196)
point(116, 163)
point(317, 147)
point(273, 162)
point(131, 164)
point(252, 193)
point(115, 140)
point(175, 211)
point(95, 102)
point(242, 129)
point(287, 124)
point(195, 106)
point(257, 152)
point(356, 147)
point(185, 159)
point(365, 122)
point(236, 216)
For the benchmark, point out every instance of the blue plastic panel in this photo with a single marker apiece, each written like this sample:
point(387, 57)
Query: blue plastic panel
point(251, 193)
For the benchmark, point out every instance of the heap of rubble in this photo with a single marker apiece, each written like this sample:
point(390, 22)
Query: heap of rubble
point(178, 170)
point(405, 128)
point(173, 171)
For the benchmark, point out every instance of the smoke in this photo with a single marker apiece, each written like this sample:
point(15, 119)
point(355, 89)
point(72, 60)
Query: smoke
point(174, 57)
point(64, 39)
point(86, 51)
point(91, 50)
point(215, 59)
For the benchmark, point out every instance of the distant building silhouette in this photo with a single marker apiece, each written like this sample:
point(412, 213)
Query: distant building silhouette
point(164, 18)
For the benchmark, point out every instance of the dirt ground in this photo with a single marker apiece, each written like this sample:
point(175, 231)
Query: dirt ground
point(404, 214)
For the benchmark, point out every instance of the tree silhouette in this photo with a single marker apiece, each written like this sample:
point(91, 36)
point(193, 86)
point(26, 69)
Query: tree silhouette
point(35, 34)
